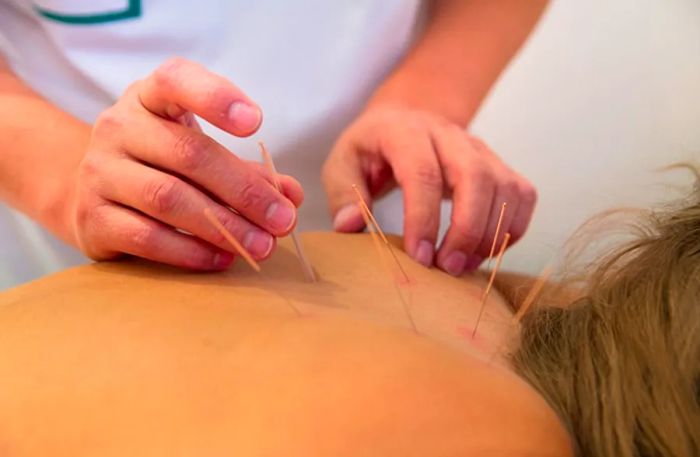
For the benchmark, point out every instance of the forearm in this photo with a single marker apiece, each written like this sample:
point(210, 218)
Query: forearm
point(464, 46)
point(40, 149)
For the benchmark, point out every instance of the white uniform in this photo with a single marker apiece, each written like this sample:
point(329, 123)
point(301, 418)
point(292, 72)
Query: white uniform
point(310, 64)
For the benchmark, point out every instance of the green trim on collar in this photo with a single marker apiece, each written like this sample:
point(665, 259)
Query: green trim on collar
point(132, 11)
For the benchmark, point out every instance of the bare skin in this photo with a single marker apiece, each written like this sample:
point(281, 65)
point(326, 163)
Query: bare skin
point(124, 183)
point(133, 359)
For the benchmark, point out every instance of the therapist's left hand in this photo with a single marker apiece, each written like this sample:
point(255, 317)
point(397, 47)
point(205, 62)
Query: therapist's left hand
point(429, 158)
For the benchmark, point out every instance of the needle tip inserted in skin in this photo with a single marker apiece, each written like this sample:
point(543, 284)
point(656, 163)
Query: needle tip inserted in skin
point(491, 280)
point(306, 267)
point(377, 244)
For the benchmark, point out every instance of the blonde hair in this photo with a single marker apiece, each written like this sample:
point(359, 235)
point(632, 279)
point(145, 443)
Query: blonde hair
point(621, 364)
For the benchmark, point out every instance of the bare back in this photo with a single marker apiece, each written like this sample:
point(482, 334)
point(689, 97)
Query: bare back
point(136, 359)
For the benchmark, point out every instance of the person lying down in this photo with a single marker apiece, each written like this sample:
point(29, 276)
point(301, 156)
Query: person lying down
point(136, 359)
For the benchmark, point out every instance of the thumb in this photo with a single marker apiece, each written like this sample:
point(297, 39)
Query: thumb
point(340, 172)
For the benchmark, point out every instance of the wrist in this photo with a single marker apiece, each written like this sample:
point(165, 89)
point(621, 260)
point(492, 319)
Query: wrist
point(42, 147)
point(50, 203)
point(410, 91)
point(53, 188)
point(392, 110)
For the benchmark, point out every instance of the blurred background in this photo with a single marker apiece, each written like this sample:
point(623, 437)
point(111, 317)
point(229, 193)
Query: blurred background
point(604, 93)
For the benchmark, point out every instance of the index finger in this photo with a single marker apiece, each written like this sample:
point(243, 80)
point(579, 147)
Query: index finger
point(179, 86)
point(418, 173)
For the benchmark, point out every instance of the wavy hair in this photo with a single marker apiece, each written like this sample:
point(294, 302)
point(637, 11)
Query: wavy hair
point(621, 363)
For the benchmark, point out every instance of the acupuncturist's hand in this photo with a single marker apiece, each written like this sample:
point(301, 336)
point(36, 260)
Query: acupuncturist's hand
point(149, 172)
point(429, 158)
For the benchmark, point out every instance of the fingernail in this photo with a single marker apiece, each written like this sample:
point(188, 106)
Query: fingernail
point(280, 217)
point(245, 117)
point(258, 243)
point(473, 262)
point(454, 263)
point(348, 219)
point(425, 252)
point(222, 260)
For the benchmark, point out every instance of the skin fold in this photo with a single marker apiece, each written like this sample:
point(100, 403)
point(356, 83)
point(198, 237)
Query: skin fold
point(137, 359)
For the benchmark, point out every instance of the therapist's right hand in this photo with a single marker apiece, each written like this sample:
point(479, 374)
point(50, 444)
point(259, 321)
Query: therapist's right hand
point(149, 172)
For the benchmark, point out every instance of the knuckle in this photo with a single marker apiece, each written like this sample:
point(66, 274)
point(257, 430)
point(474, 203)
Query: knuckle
point(229, 224)
point(88, 221)
point(250, 194)
point(511, 188)
point(163, 75)
point(456, 170)
point(133, 87)
point(107, 123)
point(528, 194)
point(141, 239)
point(480, 175)
point(465, 234)
point(195, 257)
point(428, 176)
point(90, 167)
point(452, 129)
point(478, 144)
point(190, 151)
point(217, 239)
point(163, 196)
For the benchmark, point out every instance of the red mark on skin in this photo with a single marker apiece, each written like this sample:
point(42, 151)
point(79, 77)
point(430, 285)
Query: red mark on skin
point(467, 332)
point(402, 281)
